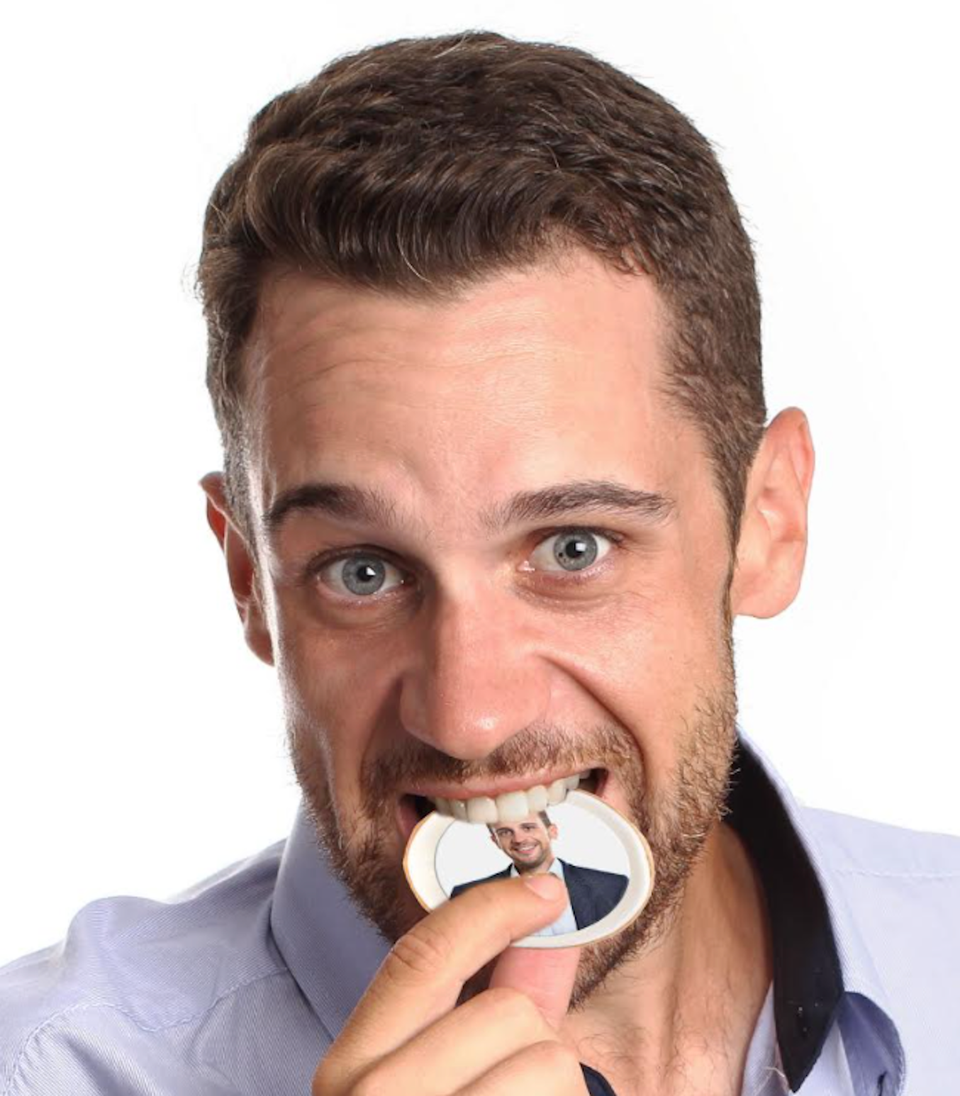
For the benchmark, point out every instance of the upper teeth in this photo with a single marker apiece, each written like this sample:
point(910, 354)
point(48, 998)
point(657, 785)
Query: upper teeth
point(511, 806)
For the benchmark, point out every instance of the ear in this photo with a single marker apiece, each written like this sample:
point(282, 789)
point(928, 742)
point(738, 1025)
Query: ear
point(244, 580)
point(773, 530)
point(552, 833)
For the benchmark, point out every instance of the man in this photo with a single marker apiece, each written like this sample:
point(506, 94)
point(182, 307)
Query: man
point(528, 843)
point(484, 350)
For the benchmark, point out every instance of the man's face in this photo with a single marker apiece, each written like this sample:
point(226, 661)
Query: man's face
point(512, 565)
point(526, 842)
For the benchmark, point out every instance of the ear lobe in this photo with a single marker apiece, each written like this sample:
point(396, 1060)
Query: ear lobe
point(773, 531)
point(241, 569)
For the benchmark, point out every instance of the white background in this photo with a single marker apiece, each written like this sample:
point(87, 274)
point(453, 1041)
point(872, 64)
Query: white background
point(141, 743)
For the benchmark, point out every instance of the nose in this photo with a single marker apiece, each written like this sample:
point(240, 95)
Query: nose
point(476, 681)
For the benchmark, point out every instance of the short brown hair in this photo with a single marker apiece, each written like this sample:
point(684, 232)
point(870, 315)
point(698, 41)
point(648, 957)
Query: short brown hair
point(424, 165)
point(544, 818)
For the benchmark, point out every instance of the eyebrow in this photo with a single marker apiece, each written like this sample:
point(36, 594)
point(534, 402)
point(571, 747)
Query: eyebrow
point(338, 500)
point(560, 499)
point(368, 507)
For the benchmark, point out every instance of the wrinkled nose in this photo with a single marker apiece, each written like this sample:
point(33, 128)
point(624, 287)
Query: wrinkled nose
point(477, 681)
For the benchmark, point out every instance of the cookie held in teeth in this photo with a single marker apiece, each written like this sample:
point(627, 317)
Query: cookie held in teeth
point(602, 858)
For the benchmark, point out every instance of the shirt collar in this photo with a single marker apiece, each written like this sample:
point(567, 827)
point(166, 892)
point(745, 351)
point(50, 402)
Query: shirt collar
point(556, 868)
point(819, 956)
point(331, 950)
point(822, 970)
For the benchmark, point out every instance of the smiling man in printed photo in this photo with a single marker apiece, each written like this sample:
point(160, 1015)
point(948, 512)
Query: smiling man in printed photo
point(528, 844)
point(499, 475)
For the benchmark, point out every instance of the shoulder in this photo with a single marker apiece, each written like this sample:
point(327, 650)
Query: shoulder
point(880, 857)
point(897, 892)
point(129, 967)
point(461, 887)
point(593, 876)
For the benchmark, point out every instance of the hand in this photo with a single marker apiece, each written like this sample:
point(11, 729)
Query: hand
point(406, 1034)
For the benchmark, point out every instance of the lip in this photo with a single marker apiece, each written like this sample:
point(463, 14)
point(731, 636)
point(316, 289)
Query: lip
point(495, 787)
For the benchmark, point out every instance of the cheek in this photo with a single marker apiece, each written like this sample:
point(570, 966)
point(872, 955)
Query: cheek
point(336, 691)
point(646, 648)
point(649, 660)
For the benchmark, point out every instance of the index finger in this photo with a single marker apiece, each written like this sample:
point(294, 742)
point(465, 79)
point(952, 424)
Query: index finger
point(421, 978)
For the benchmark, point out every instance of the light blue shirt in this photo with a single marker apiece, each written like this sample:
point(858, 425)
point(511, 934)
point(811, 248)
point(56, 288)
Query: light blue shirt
point(237, 986)
point(566, 922)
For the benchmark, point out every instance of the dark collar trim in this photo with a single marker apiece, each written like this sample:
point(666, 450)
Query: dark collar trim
point(807, 979)
point(597, 1084)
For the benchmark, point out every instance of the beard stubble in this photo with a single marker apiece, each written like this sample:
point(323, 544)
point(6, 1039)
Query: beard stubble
point(676, 823)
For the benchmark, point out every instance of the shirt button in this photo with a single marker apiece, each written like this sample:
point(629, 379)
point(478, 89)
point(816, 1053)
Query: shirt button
point(802, 1026)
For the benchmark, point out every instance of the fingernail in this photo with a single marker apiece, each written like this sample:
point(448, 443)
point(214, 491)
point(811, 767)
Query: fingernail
point(547, 886)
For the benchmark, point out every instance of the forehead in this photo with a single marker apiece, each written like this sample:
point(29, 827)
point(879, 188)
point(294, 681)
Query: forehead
point(550, 374)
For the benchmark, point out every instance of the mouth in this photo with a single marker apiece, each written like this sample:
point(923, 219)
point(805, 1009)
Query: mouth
point(509, 806)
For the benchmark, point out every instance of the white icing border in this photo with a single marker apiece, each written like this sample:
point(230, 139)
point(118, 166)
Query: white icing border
point(419, 866)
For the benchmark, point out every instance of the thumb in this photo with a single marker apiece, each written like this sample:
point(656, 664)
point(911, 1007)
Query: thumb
point(545, 975)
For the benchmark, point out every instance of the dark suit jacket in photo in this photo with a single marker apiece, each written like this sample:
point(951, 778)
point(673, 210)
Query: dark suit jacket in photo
point(593, 893)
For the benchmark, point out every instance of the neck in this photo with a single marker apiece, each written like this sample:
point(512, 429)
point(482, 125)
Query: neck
point(542, 868)
point(679, 1015)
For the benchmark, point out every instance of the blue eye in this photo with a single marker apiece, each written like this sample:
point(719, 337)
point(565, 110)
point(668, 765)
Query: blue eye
point(571, 550)
point(361, 575)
